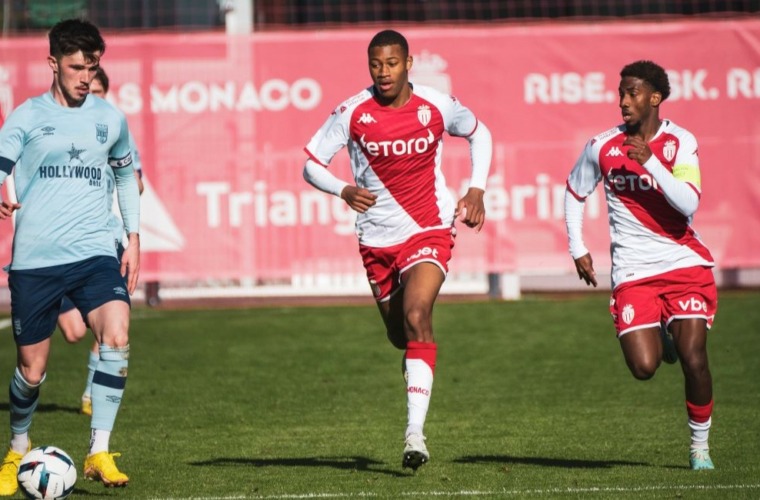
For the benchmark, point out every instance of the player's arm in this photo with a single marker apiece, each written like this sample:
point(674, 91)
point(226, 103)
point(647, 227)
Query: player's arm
point(682, 187)
point(470, 208)
point(136, 162)
point(12, 139)
point(331, 137)
point(6, 207)
point(580, 184)
point(128, 194)
point(461, 122)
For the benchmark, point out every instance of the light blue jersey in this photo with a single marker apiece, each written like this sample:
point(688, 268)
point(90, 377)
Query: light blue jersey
point(61, 157)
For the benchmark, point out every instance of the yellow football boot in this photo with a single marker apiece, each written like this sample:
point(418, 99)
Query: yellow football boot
point(101, 467)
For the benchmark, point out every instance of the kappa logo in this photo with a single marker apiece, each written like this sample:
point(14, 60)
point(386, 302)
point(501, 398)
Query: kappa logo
point(366, 118)
point(693, 305)
point(614, 151)
point(628, 314)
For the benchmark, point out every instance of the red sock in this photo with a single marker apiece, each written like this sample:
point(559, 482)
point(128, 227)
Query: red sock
point(426, 351)
point(699, 414)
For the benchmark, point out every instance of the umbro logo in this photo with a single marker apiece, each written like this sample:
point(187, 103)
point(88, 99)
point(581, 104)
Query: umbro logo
point(614, 151)
point(366, 118)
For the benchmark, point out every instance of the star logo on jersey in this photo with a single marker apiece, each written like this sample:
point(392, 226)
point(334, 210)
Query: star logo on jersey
point(74, 153)
point(614, 151)
point(366, 118)
point(101, 132)
point(669, 150)
point(424, 114)
point(628, 314)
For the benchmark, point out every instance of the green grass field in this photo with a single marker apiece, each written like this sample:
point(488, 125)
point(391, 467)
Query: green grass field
point(532, 399)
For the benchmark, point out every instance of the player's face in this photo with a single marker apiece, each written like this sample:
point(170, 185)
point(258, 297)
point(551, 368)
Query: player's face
point(389, 68)
point(73, 74)
point(96, 88)
point(638, 101)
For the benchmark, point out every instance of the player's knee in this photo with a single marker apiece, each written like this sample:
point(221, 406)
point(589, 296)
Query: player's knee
point(694, 363)
point(72, 335)
point(643, 370)
point(28, 379)
point(417, 321)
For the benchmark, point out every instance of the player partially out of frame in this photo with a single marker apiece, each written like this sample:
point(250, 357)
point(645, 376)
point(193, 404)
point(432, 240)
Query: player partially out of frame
point(70, 320)
point(664, 296)
point(406, 215)
point(58, 146)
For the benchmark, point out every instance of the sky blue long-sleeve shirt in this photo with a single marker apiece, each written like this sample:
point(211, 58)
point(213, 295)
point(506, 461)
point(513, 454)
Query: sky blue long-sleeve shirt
point(61, 156)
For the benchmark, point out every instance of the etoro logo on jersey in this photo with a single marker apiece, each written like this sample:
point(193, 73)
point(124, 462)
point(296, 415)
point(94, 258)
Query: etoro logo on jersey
point(398, 147)
point(621, 181)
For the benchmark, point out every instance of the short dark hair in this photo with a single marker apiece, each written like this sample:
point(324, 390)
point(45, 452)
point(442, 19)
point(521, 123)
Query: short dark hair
point(102, 77)
point(389, 37)
point(651, 73)
point(72, 35)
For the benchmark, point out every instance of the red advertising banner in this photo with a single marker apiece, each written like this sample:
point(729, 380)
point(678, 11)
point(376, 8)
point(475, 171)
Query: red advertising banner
point(221, 123)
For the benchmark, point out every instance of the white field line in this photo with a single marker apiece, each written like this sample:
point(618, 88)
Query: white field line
point(501, 493)
point(5, 323)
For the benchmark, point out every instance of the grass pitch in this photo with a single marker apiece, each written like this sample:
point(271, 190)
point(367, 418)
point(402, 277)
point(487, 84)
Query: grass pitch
point(531, 399)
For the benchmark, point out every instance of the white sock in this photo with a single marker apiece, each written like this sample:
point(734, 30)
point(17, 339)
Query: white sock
point(99, 441)
point(699, 433)
point(20, 443)
point(418, 389)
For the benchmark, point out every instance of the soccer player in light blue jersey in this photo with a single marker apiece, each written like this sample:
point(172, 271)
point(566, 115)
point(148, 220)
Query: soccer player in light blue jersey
point(70, 320)
point(59, 145)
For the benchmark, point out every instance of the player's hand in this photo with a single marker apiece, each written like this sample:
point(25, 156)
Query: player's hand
point(585, 267)
point(471, 210)
point(360, 199)
point(6, 209)
point(130, 262)
point(638, 149)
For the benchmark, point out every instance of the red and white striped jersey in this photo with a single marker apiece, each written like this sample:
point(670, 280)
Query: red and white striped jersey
point(648, 236)
point(395, 153)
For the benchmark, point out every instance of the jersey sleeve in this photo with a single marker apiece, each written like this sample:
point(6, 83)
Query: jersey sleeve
point(136, 160)
point(686, 165)
point(331, 137)
point(586, 174)
point(463, 122)
point(120, 160)
point(12, 139)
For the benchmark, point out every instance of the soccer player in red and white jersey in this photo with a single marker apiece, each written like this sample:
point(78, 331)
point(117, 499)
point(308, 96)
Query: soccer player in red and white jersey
point(663, 291)
point(405, 222)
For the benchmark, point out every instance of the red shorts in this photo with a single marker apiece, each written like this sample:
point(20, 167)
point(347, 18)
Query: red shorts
point(678, 294)
point(386, 265)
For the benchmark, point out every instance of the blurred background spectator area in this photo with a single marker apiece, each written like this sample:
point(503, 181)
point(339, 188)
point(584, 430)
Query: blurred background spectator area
point(19, 16)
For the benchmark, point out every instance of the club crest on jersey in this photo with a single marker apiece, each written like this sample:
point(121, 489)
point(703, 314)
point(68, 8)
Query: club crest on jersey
point(424, 114)
point(628, 314)
point(669, 150)
point(101, 132)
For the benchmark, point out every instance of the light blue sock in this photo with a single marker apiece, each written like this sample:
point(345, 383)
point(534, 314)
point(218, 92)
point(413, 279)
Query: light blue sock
point(23, 401)
point(92, 365)
point(108, 386)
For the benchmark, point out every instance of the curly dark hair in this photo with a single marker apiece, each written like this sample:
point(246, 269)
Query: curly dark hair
point(72, 35)
point(389, 37)
point(653, 74)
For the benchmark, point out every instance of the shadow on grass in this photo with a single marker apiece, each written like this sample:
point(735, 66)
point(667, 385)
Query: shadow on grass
point(546, 462)
point(46, 408)
point(361, 464)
